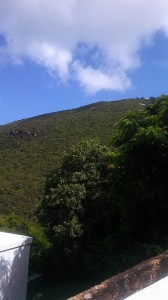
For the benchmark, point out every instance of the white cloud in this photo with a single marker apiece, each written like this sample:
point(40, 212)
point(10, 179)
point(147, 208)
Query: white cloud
point(95, 80)
point(55, 60)
point(48, 32)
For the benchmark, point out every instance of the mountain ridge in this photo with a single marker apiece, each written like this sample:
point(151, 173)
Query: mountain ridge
point(26, 160)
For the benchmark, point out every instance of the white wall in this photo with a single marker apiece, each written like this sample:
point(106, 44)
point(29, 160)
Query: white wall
point(156, 291)
point(14, 259)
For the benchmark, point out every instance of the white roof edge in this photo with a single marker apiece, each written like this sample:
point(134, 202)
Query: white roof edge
point(11, 240)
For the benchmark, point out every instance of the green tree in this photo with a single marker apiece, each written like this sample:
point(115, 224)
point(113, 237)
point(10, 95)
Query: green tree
point(110, 207)
point(139, 179)
point(72, 210)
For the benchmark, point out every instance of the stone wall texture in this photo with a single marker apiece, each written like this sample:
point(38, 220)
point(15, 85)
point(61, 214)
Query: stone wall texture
point(127, 283)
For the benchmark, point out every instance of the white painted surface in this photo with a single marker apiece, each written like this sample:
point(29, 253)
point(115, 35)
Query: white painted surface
point(156, 291)
point(14, 259)
point(10, 240)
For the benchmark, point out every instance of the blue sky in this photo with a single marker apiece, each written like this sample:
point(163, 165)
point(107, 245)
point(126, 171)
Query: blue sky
point(62, 55)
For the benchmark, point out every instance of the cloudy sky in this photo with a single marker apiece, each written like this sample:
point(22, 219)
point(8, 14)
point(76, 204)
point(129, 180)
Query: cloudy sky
point(57, 55)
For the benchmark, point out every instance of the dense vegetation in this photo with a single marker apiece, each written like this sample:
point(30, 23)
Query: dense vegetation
point(108, 206)
point(26, 159)
point(105, 205)
point(72, 211)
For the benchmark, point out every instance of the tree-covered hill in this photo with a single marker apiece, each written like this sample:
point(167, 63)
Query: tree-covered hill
point(30, 148)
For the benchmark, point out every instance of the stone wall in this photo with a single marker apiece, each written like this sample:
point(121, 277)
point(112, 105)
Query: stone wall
point(126, 283)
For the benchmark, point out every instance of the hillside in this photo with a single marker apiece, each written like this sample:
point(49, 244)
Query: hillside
point(30, 148)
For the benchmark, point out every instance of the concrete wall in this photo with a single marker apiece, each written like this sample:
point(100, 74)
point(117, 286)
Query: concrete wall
point(14, 259)
point(129, 282)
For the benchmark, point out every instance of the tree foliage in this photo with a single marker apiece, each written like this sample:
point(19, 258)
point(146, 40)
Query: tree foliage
point(71, 208)
point(110, 207)
point(139, 179)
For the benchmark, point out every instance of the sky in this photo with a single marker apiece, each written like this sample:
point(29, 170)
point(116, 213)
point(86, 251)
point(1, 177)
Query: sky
point(57, 55)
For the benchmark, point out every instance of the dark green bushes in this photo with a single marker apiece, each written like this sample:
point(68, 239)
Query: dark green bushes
point(109, 208)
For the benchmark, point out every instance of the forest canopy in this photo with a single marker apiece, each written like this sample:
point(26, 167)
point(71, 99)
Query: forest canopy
point(109, 206)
